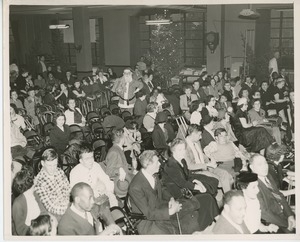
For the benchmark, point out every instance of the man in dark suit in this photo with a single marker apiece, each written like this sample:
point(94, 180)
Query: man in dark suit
point(231, 220)
point(81, 218)
point(198, 90)
point(148, 85)
point(176, 176)
point(208, 133)
point(147, 197)
point(274, 207)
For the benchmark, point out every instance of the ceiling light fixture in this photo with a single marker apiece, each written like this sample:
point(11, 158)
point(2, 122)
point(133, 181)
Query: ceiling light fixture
point(158, 22)
point(59, 26)
point(248, 13)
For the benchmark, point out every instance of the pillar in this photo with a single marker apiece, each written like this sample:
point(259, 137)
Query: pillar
point(214, 24)
point(82, 37)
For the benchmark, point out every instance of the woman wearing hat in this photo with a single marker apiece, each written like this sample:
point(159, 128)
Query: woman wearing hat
point(255, 139)
point(247, 182)
point(163, 132)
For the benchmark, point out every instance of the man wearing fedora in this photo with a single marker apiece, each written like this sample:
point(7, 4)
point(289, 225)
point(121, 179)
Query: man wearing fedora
point(147, 197)
point(90, 172)
point(126, 87)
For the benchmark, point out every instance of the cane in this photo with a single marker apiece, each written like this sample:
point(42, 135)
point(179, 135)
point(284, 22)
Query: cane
point(179, 226)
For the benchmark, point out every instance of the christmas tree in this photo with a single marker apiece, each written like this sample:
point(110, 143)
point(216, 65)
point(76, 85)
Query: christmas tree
point(166, 51)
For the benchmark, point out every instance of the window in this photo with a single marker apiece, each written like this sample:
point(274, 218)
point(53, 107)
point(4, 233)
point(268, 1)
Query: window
point(282, 36)
point(191, 26)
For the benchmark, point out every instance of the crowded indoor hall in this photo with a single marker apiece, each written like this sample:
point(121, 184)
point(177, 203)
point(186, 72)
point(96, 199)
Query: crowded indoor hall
point(151, 120)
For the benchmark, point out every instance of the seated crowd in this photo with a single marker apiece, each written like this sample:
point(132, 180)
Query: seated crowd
point(215, 157)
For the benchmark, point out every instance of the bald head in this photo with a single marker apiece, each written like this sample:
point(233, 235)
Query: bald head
point(78, 189)
point(82, 197)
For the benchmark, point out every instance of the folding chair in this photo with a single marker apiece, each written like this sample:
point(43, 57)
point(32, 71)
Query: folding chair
point(114, 99)
point(125, 115)
point(70, 158)
point(180, 120)
point(99, 147)
point(104, 111)
point(97, 130)
point(47, 127)
point(92, 117)
point(32, 137)
point(46, 117)
point(87, 106)
point(115, 109)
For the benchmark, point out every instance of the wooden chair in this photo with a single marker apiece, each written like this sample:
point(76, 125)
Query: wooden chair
point(47, 117)
point(115, 109)
point(87, 106)
point(92, 117)
point(97, 130)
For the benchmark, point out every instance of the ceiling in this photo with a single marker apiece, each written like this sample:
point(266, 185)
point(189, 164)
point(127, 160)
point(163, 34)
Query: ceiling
point(143, 9)
point(54, 9)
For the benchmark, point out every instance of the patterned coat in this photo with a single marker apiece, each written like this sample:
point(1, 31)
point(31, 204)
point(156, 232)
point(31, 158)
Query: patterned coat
point(54, 192)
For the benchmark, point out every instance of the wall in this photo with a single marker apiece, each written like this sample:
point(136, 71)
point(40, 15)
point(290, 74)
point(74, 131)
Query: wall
point(234, 27)
point(213, 24)
point(116, 26)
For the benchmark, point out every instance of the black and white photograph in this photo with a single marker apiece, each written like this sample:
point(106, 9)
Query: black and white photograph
point(149, 120)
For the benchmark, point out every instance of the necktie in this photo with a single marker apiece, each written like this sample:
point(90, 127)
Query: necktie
point(155, 181)
point(269, 186)
point(189, 100)
point(198, 158)
point(185, 169)
point(86, 216)
point(150, 85)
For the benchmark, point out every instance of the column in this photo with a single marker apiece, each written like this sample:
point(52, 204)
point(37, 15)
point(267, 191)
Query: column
point(82, 38)
point(214, 24)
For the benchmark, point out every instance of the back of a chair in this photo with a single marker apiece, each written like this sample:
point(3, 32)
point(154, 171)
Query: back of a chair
point(102, 100)
point(47, 127)
point(28, 122)
point(74, 128)
point(98, 143)
point(47, 117)
point(126, 114)
point(104, 111)
point(87, 106)
point(97, 130)
point(114, 99)
point(92, 117)
point(70, 158)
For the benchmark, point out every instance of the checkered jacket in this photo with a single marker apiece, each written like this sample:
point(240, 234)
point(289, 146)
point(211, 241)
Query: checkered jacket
point(54, 192)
